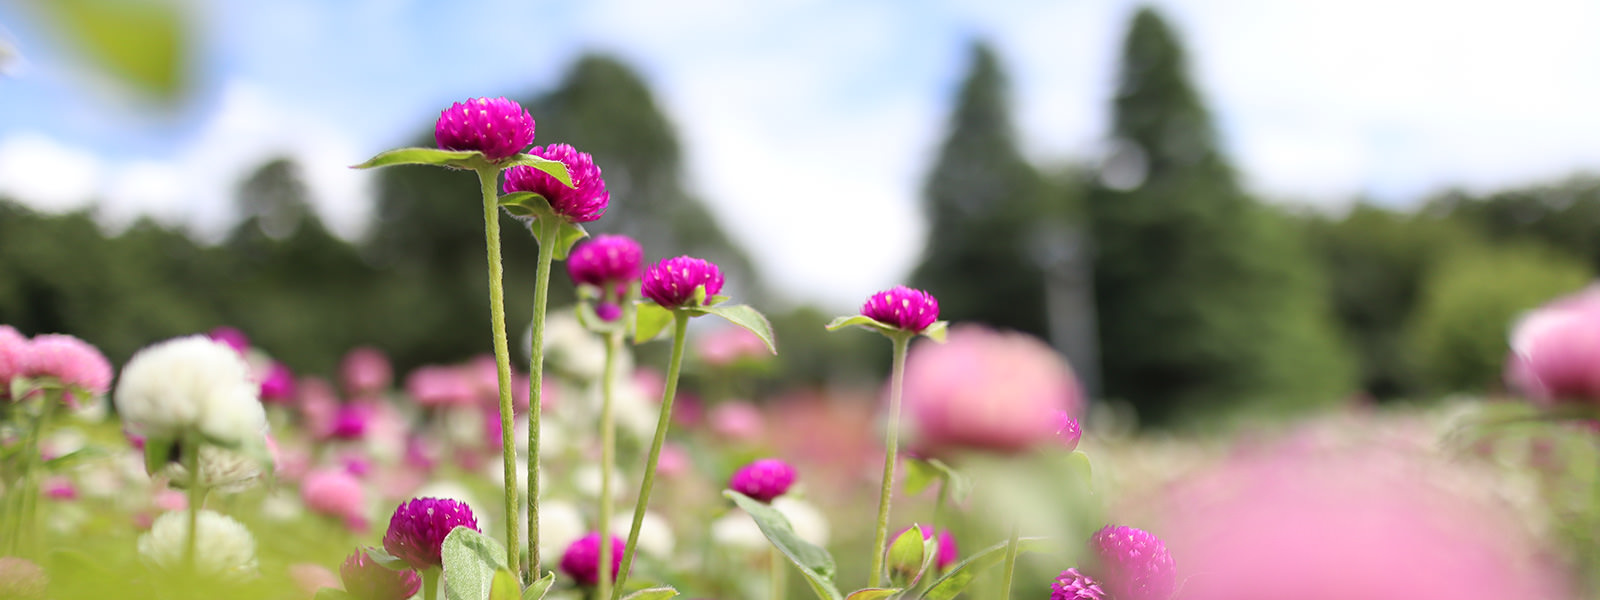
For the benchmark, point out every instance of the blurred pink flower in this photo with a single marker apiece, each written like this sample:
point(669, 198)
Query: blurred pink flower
point(310, 577)
point(75, 363)
point(277, 384)
point(729, 344)
point(338, 494)
point(318, 404)
point(434, 386)
point(985, 390)
point(60, 487)
point(350, 422)
point(737, 421)
point(674, 460)
point(13, 350)
point(1373, 521)
point(365, 371)
point(549, 392)
point(1554, 350)
point(232, 337)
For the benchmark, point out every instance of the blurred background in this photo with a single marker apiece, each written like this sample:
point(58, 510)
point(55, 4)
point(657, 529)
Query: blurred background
point(1213, 209)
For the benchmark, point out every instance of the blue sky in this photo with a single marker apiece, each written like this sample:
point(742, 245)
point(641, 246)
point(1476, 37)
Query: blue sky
point(1319, 100)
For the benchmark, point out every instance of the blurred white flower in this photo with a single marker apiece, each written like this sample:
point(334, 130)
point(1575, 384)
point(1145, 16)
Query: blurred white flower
point(64, 441)
point(223, 470)
point(283, 505)
point(808, 522)
point(655, 535)
point(191, 384)
point(738, 530)
point(560, 524)
point(569, 347)
point(586, 479)
point(223, 546)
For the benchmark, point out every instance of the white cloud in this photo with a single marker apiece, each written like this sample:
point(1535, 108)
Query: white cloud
point(46, 174)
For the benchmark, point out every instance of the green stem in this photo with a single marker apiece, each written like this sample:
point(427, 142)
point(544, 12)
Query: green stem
point(27, 543)
point(779, 580)
point(1010, 564)
point(430, 583)
point(608, 449)
point(549, 232)
point(890, 452)
point(487, 177)
point(191, 463)
point(674, 365)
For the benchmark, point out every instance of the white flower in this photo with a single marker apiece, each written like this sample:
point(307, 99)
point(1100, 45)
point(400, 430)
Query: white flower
point(191, 384)
point(223, 546)
point(573, 349)
point(655, 536)
point(808, 522)
point(560, 524)
point(282, 506)
point(737, 531)
point(586, 479)
point(223, 470)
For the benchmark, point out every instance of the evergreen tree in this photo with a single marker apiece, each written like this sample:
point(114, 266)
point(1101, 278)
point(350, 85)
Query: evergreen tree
point(1206, 298)
point(984, 204)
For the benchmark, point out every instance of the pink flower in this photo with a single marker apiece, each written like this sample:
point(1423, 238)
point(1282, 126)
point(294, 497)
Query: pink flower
point(440, 386)
point(581, 561)
point(584, 201)
point(13, 351)
point(763, 479)
point(365, 371)
point(737, 421)
point(904, 308)
point(349, 422)
point(232, 337)
point(607, 260)
point(60, 487)
point(985, 390)
point(674, 460)
point(729, 344)
point(338, 494)
point(310, 577)
point(497, 127)
point(1068, 430)
point(1554, 350)
point(671, 283)
point(1073, 585)
point(418, 528)
point(73, 362)
point(1133, 564)
point(367, 580)
point(277, 386)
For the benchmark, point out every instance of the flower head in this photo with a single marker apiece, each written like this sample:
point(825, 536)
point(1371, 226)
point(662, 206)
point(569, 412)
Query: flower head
point(441, 386)
point(80, 367)
point(365, 371)
point(763, 479)
point(13, 350)
point(191, 383)
point(947, 551)
point(1068, 430)
point(418, 528)
point(986, 390)
point(277, 385)
point(1073, 585)
point(497, 127)
point(581, 561)
point(338, 494)
point(221, 470)
point(365, 579)
point(671, 283)
point(1554, 348)
point(584, 201)
point(232, 337)
point(606, 260)
point(903, 307)
point(1134, 564)
point(224, 548)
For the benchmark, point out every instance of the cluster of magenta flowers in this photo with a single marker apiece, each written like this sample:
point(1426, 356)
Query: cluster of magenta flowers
point(1129, 564)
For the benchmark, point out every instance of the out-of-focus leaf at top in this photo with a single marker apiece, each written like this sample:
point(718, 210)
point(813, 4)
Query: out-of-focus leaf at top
point(144, 43)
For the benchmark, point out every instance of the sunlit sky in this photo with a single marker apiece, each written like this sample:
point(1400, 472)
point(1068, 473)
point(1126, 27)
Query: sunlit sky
point(817, 120)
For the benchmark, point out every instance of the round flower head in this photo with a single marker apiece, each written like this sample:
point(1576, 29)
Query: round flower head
point(13, 350)
point(763, 479)
point(365, 579)
point(1072, 585)
point(191, 383)
point(584, 201)
point(418, 527)
point(606, 260)
point(277, 385)
point(671, 282)
point(365, 371)
point(80, 367)
point(338, 494)
point(224, 548)
point(232, 337)
point(903, 307)
point(1134, 564)
point(22, 579)
point(497, 127)
point(221, 470)
point(1554, 348)
point(581, 561)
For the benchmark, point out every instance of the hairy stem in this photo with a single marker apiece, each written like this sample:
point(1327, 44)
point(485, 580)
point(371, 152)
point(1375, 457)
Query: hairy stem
point(487, 177)
point(674, 365)
point(891, 451)
point(608, 458)
point(549, 230)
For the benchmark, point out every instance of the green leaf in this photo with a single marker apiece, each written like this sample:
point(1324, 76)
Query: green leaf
point(905, 556)
point(717, 299)
point(553, 168)
point(854, 320)
point(567, 237)
point(72, 458)
point(1078, 462)
point(655, 593)
point(386, 560)
point(649, 320)
point(526, 205)
point(158, 452)
point(504, 586)
point(961, 575)
point(150, 44)
point(815, 563)
point(470, 562)
point(936, 331)
point(919, 475)
point(538, 589)
point(872, 594)
point(329, 593)
point(456, 159)
point(745, 316)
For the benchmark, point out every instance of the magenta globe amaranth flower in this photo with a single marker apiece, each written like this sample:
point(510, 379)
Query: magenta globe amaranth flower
point(232, 337)
point(497, 127)
point(903, 307)
point(277, 385)
point(365, 579)
point(763, 479)
point(581, 561)
point(606, 260)
point(77, 365)
point(585, 200)
point(1555, 348)
point(1073, 585)
point(1068, 430)
point(419, 526)
point(671, 282)
point(1133, 564)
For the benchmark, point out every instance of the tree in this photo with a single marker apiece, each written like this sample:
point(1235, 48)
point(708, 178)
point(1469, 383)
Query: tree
point(1207, 299)
point(984, 203)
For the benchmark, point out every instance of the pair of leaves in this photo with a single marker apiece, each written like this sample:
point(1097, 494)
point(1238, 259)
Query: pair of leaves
point(465, 159)
point(651, 320)
point(935, 332)
point(541, 218)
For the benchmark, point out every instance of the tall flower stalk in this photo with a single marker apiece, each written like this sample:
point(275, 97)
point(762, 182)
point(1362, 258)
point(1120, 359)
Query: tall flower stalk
point(487, 177)
point(900, 314)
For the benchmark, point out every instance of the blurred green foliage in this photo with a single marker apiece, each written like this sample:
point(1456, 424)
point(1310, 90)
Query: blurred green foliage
point(144, 44)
